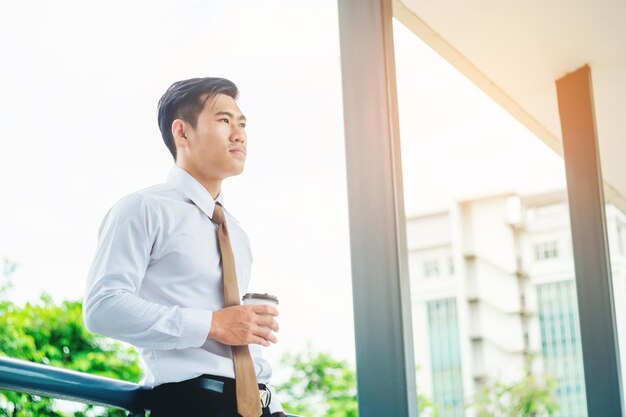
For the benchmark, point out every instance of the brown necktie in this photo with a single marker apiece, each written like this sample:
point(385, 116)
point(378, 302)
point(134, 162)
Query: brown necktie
point(246, 388)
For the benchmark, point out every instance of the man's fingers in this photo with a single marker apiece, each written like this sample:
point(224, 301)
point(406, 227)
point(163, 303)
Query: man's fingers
point(265, 310)
point(259, 341)
point(245, 324)
point(267, 321)
point(266, 334)
point(269, 335)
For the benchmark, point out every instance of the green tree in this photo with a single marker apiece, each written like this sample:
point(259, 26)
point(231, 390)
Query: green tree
point(426, 407)
point(320, 385)
point(529, 397)
point(54, 334)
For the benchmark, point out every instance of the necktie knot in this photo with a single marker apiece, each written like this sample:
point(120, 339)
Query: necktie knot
point(218, 214)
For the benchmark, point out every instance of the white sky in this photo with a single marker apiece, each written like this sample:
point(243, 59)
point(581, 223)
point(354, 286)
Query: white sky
point(80, 82)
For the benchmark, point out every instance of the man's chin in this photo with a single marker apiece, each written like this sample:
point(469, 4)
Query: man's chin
point(234, 172)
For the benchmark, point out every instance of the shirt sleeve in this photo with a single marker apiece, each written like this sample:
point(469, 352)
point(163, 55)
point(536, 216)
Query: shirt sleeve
point(111, 306)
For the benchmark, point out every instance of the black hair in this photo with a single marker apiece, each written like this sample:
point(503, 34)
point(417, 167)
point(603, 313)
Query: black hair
point(185, 100)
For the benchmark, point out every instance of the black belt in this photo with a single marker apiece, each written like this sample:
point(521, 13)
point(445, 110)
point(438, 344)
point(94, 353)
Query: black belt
point(222, 385)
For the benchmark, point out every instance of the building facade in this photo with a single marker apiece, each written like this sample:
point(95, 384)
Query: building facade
point(494, 297)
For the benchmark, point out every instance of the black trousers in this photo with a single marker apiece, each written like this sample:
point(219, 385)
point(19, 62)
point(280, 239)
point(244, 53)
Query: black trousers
point(192, 399)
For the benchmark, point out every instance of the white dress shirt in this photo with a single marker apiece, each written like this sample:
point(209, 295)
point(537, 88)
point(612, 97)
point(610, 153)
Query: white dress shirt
point(156, 278)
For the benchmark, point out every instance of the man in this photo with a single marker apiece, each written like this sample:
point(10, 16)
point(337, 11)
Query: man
point(166, 261)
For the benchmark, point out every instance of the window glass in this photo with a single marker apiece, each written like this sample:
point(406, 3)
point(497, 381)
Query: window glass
point(431, 268)
point(445, 357)
point(560, 344)
point(505, 321)
point(546, 250)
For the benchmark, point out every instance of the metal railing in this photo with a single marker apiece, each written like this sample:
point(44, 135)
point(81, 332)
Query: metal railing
point(49, 381)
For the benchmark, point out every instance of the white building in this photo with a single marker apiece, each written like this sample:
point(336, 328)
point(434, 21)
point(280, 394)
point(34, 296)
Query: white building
point(493, 294)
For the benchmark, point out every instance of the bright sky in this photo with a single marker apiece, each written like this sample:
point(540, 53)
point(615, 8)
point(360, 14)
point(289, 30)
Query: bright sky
point(80, 82)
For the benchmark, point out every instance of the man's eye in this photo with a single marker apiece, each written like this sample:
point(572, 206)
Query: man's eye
point(242, 125)
point(225, 120)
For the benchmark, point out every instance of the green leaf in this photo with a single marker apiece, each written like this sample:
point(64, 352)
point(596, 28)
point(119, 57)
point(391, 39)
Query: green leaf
point(54, 334)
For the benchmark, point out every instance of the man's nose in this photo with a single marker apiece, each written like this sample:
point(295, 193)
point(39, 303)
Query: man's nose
point(238, 135)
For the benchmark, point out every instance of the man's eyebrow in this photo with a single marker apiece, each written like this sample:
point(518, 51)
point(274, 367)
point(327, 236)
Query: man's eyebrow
point(231, 115)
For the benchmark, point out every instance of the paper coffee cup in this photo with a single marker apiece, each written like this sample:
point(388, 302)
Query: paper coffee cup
point(258, 299)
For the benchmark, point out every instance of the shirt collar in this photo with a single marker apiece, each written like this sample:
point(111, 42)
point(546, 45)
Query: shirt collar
point(193, 190)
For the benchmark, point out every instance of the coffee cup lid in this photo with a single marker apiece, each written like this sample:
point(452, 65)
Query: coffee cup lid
point(266, 296)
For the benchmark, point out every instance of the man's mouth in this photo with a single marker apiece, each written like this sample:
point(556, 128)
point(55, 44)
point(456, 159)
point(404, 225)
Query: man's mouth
point(238, 150)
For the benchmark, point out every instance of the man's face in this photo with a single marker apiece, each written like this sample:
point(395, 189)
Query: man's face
point(217, 145)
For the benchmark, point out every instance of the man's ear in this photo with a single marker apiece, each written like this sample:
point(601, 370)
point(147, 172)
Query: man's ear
point(179, 128)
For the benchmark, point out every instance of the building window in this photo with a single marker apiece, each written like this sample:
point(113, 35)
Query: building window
point(445, 356)
point(560, 346)
point(431, 268)
point(546, 250)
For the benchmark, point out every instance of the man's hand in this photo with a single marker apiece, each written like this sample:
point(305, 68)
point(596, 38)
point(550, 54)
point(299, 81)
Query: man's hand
point(244, 325)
